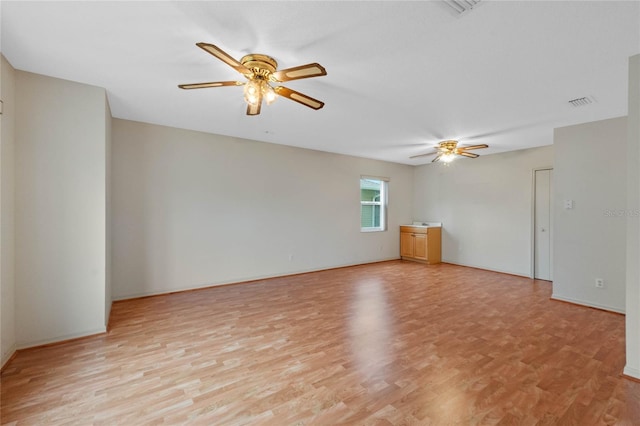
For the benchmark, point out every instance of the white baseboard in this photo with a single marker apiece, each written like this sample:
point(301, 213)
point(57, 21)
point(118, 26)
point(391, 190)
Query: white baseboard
point(588, 304)
point(87, 333)
point(108, 314)
point(484, 268)
point(240, 280)
point(631, 372)
point(8, 355)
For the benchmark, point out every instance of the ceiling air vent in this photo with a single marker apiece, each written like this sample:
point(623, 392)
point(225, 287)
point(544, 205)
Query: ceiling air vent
point(461, 6)
point(578, 102)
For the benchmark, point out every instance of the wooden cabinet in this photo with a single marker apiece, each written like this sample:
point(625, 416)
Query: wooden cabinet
point(420, 244)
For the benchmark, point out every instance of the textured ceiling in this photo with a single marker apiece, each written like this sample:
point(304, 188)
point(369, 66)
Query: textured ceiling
point(401, 75)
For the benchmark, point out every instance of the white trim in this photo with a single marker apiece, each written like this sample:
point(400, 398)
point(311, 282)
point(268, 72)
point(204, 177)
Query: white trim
point(384, 179)
point(243, 280)
point(587, 304)
point(372, 229)
point(484, 268)
point(108, 313)
point(11, 352)
point(532, 273)
point(383, 203)
point(87, 333)
point(631, 372)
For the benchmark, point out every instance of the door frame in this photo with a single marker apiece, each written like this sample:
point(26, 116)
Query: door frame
point(532, 273)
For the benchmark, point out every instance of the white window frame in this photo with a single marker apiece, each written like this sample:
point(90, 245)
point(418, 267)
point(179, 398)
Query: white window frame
point(383, 203)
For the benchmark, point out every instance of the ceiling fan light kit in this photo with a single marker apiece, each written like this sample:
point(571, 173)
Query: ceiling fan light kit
point(446, 151)
point(258, 87)
point(260, 71)
point(447, 157)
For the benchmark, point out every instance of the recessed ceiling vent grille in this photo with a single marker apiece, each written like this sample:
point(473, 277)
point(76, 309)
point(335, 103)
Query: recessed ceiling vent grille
point(578, 102)
point(461, 6)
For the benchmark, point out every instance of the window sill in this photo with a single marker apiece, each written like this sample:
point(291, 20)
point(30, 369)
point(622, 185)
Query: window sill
point(372, 230)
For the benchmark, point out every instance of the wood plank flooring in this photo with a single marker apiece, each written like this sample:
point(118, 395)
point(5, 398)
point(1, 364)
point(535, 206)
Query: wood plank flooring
point(394, 343)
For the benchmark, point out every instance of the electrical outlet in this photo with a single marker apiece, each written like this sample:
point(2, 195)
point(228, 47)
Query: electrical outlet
point(599, 283)
point(290, 257)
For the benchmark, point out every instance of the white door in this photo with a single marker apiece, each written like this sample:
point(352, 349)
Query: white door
point(543, 224)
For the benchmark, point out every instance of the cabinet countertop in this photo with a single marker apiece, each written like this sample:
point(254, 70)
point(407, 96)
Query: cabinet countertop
point(414, 228)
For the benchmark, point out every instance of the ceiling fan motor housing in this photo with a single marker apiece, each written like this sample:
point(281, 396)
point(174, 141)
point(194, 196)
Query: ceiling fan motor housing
point(448, 146)
point(261, 65)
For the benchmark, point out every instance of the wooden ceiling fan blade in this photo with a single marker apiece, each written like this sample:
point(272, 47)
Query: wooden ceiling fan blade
point(468, 154)
point(302, 71)
point(299, 97)
point(437, 158)
point(225, 57)
point(424, 155)
point(474, 146)
point(210, 84)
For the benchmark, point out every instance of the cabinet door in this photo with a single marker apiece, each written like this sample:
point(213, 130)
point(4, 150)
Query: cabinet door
point(406, 244)
point(420, 246)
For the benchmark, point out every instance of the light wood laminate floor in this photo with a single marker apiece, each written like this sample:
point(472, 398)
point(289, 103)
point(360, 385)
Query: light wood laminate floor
point(394, 343)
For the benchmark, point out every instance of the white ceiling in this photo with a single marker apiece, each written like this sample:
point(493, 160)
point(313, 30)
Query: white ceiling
point(401, 75)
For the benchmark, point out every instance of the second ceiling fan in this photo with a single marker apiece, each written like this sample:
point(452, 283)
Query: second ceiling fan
point(260, 71)
point(447, 151)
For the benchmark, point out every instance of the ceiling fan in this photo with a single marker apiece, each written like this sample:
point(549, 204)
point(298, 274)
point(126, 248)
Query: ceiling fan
point(260, 71)
point(447, 151)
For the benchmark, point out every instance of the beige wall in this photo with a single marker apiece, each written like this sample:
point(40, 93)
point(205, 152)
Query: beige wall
point(7, 234)
point(589, 240)
point(107, 288)
point(632, 367)
point(60, 209)
point(485, 205)
point(192, 209)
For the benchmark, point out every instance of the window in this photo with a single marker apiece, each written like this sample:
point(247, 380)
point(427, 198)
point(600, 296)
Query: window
point(373, 204)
